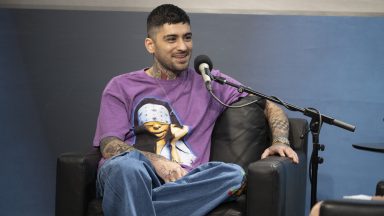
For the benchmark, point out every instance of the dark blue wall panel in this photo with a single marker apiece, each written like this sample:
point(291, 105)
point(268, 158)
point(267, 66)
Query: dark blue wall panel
point(27, 161)
point(54, 65)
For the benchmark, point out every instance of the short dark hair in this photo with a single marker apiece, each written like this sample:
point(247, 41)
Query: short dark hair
point(166, 13)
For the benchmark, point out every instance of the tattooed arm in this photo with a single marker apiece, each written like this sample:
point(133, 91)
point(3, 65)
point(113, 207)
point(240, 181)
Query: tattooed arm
point(111, 146)
point(166, 169)
point(279, 125)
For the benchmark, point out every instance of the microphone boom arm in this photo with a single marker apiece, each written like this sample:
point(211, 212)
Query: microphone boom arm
point(306, 111)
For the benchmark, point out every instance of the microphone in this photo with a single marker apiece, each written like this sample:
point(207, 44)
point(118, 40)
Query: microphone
point(203, 66)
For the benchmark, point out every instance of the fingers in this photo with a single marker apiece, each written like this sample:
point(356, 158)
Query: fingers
point(184, 172)
point(266, 153)
point(295, 158)
point(291, 154)
point(175, 174)
point(178, 173)
point(281, 150)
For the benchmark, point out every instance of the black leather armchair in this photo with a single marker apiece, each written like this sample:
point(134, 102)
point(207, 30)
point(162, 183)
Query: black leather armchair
point(354, 207)
point(276, 186)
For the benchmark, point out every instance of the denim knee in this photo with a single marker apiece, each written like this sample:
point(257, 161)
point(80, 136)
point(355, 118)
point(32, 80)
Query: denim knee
point(130, 163)
point(236, 171)
point(241, 180)
point(126, 168)
point(238, 179)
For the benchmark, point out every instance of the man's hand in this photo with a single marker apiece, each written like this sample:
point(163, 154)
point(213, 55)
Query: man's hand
point(168, 170)
point(282, 150)
point(378, 198)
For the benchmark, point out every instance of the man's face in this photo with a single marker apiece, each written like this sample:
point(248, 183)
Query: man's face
point(172, 46)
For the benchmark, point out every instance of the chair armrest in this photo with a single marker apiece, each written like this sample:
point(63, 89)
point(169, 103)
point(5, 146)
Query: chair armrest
point(351, 208)
point(277, 186)
point(75, 182)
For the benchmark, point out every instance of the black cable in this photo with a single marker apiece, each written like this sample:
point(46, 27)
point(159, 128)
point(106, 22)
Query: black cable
point(231, 106)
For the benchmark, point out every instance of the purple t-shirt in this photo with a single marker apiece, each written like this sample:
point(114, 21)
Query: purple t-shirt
point(174, 118)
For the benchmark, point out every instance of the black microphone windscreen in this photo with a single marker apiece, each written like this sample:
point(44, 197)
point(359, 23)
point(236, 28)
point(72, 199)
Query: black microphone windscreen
point(200, 60)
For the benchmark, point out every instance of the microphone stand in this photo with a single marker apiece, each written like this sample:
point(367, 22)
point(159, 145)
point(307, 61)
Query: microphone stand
point(315, 125)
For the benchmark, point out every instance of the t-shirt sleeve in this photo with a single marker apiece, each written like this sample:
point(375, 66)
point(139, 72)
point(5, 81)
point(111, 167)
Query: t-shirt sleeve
point(113, 119)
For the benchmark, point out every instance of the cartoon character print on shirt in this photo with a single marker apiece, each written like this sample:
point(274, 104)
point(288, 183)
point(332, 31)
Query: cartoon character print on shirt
point(158, 130)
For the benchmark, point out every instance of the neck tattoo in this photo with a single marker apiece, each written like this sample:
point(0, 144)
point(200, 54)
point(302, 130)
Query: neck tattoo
point(159, 72)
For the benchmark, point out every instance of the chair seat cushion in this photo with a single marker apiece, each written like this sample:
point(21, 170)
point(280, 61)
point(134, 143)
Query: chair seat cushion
point(232, 208)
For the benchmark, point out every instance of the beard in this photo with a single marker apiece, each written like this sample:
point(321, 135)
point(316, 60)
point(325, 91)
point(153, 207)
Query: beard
point(171, 66)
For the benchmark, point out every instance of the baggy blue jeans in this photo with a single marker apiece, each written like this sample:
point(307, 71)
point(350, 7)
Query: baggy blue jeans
point(129, 186)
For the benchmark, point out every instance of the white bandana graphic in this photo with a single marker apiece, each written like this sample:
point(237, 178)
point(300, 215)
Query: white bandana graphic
point(153, 112)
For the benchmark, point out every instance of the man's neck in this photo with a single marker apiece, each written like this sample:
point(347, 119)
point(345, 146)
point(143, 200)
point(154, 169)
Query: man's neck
point(160, 73)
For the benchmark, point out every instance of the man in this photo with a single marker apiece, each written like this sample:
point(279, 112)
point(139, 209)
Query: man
point(132, 178)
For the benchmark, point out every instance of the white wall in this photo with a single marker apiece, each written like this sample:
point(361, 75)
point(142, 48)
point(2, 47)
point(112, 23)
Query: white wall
point(291, 7)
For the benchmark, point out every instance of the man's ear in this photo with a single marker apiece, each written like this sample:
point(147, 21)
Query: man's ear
point(150, 45)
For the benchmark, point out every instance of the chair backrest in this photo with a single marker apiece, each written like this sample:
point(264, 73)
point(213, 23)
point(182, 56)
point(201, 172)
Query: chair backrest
point(241, 135)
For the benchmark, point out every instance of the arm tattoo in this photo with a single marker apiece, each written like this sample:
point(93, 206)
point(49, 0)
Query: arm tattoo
point(153, 157)
point(278, 122)
point(111, 146)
